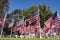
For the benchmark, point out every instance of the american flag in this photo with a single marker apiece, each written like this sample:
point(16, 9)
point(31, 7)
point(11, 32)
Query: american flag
point(57, 26)
point(21, 23)
point(45, 29)
point(35, 22)
point(32, 30)
point(2, 21)
point(11, 24)
point(52, 31)
point(57, 23)
point(48, 22)
point(37, 26)
point(33, 18)
point(15, 28)
point(20, 26)
point(52, 20)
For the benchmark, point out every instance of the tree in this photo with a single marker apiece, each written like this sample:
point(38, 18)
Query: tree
point(45, 12)
point(4, 6)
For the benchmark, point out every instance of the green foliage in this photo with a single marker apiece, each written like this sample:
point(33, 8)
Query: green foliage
point(45, 12)
point(4, 6)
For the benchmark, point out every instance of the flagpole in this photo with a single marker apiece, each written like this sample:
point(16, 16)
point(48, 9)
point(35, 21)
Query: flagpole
point(11, 33)
point(39, 25)
point(23, 23)
point(3, 24)
point(11, 28)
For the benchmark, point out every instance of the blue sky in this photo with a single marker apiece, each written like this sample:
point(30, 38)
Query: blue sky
point(23, 4)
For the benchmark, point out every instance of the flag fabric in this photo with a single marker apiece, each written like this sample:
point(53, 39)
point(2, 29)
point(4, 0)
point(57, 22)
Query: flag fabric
point(48, 22)
point(33, 18)
point(10, 25)
point(24, 30)
point(57, 26)
point(21, 26)
point(45, 29)
point(32, 30)
point(37, 26)
point(15, 29)
point(52, 31)
point(21, 22)
point(47, 25)
point(38, 32)
point(54, 15)
point(2, 21)
point(52, 20)
point(35, 21)
point(57, 23)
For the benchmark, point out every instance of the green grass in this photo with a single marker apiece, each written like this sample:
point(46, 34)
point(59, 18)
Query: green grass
point(28, 39)
point(19, 38)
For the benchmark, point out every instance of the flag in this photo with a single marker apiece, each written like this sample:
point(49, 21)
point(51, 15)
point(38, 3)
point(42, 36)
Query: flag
point(2, 21)
point(45, 29)
point(57, 26)
point(10, 25)
point(36, 26)
point(54, 15)
point(48, 22)
point(32, 30)
point(33, 18)
point(52, 20)
point(52, 29)
point(56, 22)
point(21, 23)
point(21, 26)
point(38, 32)
point(16, 29)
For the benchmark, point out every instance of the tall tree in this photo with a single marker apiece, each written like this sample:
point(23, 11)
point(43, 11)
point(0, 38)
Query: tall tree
point(4, 6)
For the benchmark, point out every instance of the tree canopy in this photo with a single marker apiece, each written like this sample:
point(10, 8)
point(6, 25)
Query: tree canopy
point(44, 11)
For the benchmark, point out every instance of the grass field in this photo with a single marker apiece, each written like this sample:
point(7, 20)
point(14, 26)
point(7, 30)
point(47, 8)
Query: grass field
point(28, 39)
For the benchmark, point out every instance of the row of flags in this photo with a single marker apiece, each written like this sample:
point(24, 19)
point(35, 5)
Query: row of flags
point(34, 24)
point(35, 28)
point(52, 24)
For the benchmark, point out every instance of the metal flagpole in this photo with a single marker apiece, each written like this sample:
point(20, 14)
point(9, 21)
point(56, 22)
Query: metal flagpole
point(23, 24)
point(39, 25)
point(3, 24)
point(11, 28)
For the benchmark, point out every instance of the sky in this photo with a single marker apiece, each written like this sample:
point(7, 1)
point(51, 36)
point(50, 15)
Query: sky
point(23, 4)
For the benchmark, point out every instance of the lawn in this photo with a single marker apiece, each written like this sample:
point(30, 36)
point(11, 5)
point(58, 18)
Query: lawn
point(28, 39)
